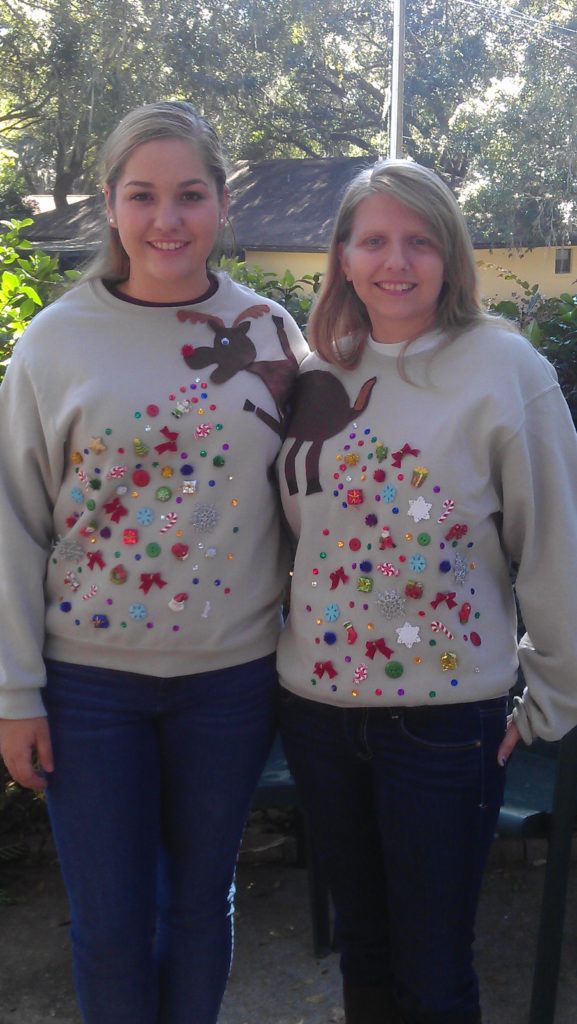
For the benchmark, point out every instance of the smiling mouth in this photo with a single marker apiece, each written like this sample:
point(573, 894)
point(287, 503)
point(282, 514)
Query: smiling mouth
point(395, 288)
point(168, 246)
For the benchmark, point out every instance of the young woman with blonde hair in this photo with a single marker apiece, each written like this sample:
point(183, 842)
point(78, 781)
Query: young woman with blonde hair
point(142, 575)
point(430, 448)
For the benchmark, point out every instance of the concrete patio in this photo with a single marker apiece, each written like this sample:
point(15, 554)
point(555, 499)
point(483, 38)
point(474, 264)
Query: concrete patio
point(275, 978)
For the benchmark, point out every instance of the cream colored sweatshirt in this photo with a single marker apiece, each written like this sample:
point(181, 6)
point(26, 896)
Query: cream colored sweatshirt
point(410, 502)
point(139, 528)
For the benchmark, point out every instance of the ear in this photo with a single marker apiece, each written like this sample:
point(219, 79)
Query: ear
point(109, 205)
point(343, 260)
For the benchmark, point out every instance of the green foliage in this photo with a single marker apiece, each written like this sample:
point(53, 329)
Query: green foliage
point(551, 326)
point(295, 294)
point(490, 93)
point(28, 280)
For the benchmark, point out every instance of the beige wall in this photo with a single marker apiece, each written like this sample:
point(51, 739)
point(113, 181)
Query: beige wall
point(535, 267)
point(299, 263)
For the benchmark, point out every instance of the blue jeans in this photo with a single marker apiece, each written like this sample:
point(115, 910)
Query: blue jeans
point(403, 805)
point(153, 783)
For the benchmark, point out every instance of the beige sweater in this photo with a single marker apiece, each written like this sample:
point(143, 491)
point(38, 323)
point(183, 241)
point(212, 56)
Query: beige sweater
point(410, 501)
point(139, 525)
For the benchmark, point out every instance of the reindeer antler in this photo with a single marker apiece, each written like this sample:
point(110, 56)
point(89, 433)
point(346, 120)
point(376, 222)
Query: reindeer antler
point(199, 318)
point(253, 312)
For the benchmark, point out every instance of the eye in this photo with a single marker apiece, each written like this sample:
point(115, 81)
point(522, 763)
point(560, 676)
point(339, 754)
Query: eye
point(421, 241)
point(373, 242)
point(140, 197)
point(192, 196)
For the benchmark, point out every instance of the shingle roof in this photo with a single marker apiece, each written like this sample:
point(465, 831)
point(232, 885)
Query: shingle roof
point(275, 205)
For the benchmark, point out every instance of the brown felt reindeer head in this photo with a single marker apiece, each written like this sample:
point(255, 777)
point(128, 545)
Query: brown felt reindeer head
point(232, 351)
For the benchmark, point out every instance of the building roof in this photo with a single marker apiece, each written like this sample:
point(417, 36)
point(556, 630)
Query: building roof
point(277, 205)
point(289, 205)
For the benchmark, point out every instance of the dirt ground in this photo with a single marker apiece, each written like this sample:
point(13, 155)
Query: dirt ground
point(275, 978)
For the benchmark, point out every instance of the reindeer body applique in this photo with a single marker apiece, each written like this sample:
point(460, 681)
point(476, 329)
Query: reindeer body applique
point(321, 409)
point(234, 351)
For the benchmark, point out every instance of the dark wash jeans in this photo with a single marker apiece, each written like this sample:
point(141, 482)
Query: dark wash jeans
point(153, 784)
point(403, 804)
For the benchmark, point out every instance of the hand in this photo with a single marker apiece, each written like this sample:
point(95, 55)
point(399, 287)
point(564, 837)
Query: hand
point(24, 743)
point(512, 737)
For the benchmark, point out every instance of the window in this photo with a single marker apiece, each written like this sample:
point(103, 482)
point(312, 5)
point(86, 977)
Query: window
point(562, 261)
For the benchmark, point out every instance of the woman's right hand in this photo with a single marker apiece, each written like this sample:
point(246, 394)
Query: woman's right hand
point(26, 750)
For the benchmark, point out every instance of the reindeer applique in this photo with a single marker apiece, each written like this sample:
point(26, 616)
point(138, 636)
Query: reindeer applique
point(322, 409)
point(234, 351)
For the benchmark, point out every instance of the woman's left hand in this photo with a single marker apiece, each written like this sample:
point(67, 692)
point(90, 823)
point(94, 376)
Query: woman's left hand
point(512, 737)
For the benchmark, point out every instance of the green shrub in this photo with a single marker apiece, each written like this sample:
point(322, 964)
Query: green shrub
point(295, 294)
point(551, 326)
point(29, 279)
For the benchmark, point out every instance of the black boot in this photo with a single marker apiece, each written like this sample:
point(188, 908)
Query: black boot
point(369, 1004)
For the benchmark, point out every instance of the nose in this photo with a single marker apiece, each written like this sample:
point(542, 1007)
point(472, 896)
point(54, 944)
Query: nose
point(167, 216)
point(395, 256)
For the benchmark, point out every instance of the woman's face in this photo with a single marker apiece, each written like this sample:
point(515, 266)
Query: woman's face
point(395, 265)
point(167, 211)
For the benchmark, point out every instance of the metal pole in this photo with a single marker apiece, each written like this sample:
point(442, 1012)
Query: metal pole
point(397, 81)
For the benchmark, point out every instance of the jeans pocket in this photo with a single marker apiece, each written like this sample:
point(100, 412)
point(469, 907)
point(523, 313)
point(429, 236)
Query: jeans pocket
point(455, 727)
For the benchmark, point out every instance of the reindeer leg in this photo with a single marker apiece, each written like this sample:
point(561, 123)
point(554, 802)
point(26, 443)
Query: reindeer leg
point(289, 468)
point(284, 342)
point(312, 467)
point(265, 417)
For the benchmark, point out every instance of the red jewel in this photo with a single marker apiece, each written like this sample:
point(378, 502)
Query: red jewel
point(140, 478)
point(355, 544)
point(464, 612)
point(152, 410)
point(379, 475)
point(180, 551)
point(326, 533)
point(475, 639)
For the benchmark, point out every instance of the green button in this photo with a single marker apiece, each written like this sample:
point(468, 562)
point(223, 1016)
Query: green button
point(394, 669)
point(423, 539)
point(163, 494)
point(153, 550)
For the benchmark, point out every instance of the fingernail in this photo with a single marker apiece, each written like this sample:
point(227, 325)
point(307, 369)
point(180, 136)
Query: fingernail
point(503, 761)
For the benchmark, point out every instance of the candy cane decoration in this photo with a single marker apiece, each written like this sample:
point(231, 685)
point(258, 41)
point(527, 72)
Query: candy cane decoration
point(438, 627)
point(171, 519)
point(90, 593)
point(448, 506)
point(388, 569)
point(83, 477)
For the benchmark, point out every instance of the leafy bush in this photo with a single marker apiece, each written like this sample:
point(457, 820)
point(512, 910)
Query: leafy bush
point(551, 326)
point(28, 280)
point(295, 294)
